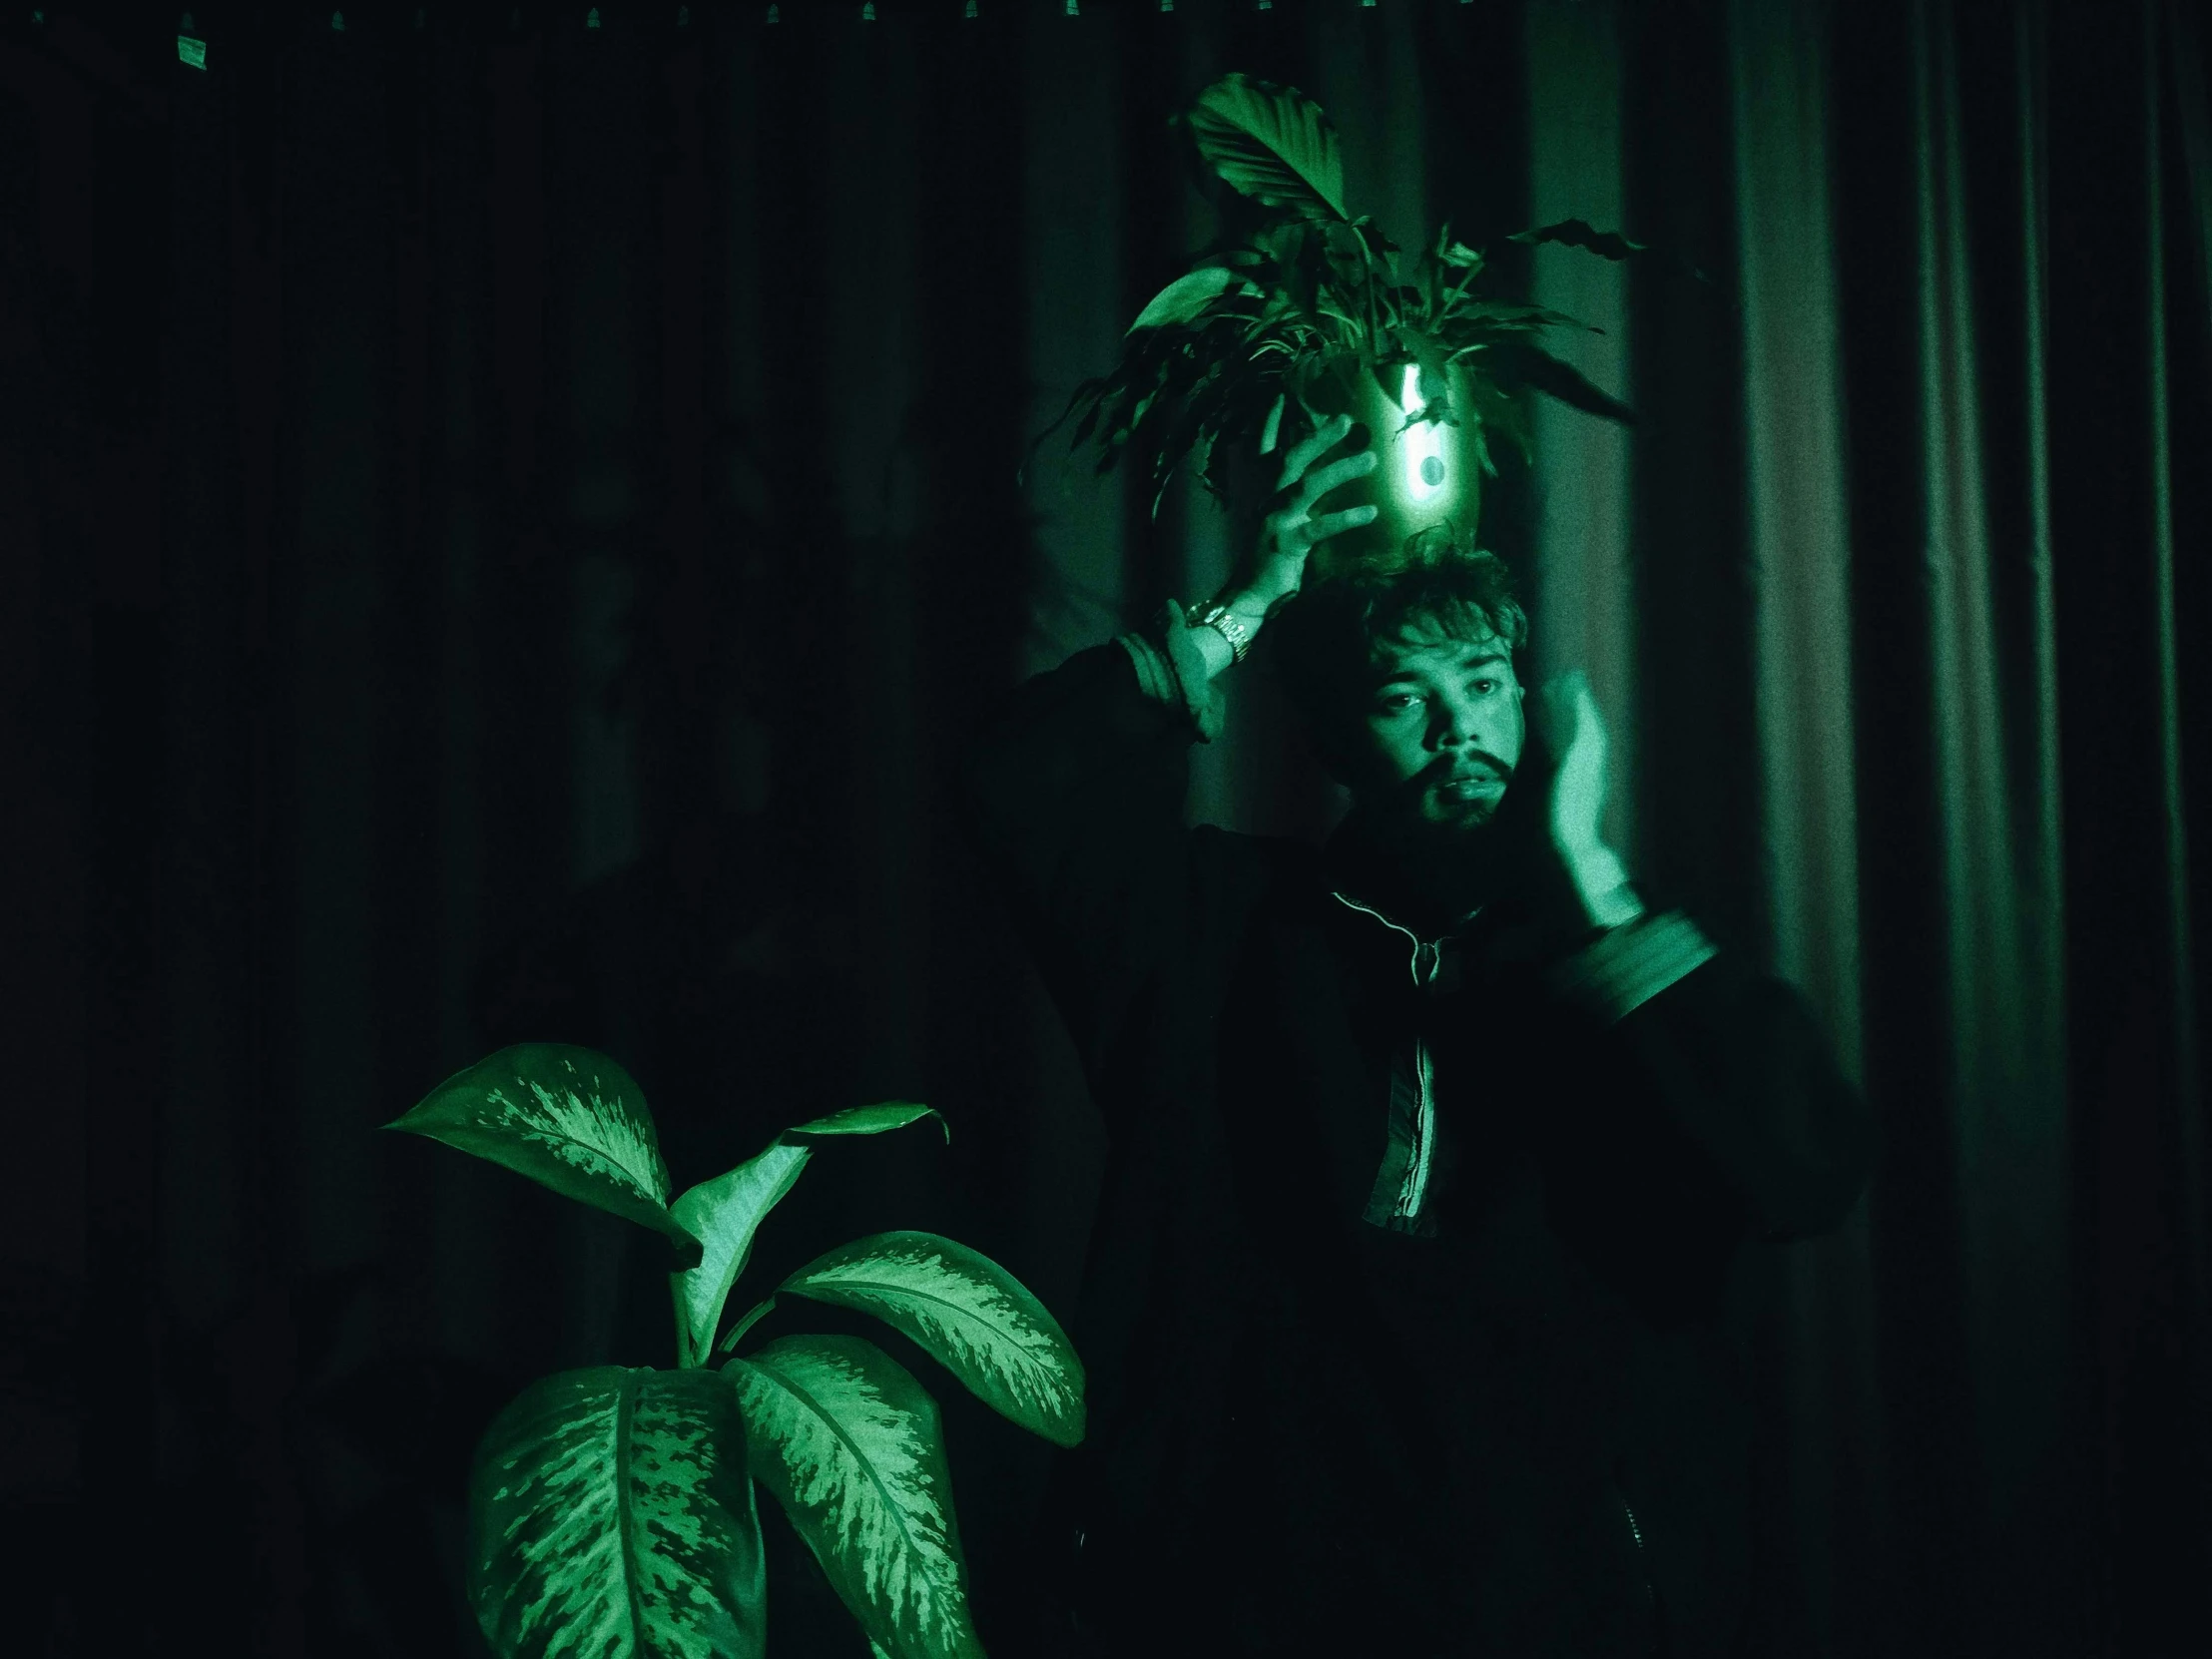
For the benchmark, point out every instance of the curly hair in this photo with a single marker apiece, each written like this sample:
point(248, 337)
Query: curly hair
point(1321, 641)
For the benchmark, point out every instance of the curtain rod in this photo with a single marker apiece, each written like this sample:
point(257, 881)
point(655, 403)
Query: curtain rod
point(191, 39)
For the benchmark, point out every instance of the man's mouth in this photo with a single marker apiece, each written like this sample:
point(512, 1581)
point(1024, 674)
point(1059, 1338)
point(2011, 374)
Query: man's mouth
point(1470, 786)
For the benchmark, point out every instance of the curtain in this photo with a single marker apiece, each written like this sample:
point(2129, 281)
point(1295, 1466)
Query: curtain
point(507, 516)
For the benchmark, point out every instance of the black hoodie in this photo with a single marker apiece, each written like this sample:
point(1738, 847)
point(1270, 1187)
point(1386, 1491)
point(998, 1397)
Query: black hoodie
point(1418, 1307)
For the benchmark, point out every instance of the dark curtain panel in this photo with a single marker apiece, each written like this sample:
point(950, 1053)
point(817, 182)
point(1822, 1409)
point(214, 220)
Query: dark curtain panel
point(508, 514)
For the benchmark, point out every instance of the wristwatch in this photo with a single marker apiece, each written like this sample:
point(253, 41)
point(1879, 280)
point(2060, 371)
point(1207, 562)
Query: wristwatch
point(1226, 623)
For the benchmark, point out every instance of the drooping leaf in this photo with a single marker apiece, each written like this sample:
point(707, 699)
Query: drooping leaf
point(1270, 143)
point(1578, 233)
point(1501, 313)
point(970, 1314)
point(611, 1516)
point(1182, 299)
point(568, 1117)
point(1540, 370)
point(725, 1213)
point(871, 1120)
point(849, 1444)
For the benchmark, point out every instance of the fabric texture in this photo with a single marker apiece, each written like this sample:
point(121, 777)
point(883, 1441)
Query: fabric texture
point(1515, 1419)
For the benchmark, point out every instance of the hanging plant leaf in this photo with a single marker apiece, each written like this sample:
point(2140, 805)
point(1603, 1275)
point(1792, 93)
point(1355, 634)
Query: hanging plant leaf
point(1578, 233)
point(1540, 370)
point(611, 1515)
point(1497, 411)
point(725, 1213)
point(1502, 314)
point(973, 1317)
point(1183, 299)
point(567, 1117)
point(849, 1444)
point(1270, 143)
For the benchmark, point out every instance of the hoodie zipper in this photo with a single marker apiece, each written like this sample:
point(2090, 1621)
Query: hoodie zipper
point(1427, 960)
point(1643, 1563)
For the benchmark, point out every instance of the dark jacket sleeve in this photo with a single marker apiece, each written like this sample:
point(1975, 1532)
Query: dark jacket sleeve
point(1075, 793)
point(1735, 1061)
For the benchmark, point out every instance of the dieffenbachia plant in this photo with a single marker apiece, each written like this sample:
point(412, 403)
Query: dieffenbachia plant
point(612, 1510)
point(1214, 359)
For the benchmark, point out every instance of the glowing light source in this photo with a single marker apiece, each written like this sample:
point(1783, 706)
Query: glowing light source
point(191, 50)
point(1422, 444)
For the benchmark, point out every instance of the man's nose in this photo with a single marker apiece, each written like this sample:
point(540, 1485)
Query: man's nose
point(1458, 724)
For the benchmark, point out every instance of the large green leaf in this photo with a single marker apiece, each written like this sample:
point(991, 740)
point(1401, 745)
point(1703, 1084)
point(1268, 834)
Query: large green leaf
point(725, 1213)
point(1270, 143)
point(1189, 294)
point(611, 1515)
point(849, 1444)
point(972, 1316)
point(569, 1117)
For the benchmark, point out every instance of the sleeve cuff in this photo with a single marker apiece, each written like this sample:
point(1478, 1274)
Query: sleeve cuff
point(1627, 966)
point(1172, 670)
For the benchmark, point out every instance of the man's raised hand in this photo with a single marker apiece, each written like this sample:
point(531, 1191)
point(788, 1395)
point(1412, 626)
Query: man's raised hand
point(1291, 531)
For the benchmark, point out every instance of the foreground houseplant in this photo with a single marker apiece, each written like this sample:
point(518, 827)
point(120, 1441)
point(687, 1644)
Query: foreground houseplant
point(1316, 310)
point(612, 1510)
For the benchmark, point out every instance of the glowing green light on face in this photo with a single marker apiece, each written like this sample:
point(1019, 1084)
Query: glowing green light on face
point(1422, 445)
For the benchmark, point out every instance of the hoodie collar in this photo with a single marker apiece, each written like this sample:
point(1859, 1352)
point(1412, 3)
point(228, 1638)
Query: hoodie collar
point(1362, 877)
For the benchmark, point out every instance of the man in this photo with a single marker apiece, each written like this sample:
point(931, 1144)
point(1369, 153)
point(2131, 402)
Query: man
point(1443, 1175)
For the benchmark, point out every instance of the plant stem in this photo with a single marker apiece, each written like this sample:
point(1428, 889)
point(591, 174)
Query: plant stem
point(752, 1318)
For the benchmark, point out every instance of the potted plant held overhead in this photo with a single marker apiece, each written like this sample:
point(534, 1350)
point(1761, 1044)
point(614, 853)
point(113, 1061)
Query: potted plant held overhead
point(1316, 314)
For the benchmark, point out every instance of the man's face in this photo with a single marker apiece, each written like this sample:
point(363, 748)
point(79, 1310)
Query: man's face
point(1430, 745)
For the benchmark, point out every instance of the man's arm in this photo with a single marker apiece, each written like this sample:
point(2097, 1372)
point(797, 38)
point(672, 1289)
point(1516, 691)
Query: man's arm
point(1733, 1060)
point(1075, 793)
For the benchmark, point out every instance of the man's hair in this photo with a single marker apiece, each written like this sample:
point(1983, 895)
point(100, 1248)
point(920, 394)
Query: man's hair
point(1321, 641)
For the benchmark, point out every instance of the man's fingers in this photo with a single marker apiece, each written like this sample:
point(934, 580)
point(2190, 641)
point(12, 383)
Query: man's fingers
point(1313, 445)
point(1339, 472)
point(1331, 524)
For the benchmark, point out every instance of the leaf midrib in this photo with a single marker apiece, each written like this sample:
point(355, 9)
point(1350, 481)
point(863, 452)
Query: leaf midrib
point(859, 1456)
point(625, 1411)
point(918, 1295)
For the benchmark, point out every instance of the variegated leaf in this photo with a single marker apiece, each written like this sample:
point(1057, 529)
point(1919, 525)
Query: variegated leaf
point(872, 1119)
point(611, 1515)
point(725, 1213)
point(849, 1444)
point(973, 1317)
point(568, 1117)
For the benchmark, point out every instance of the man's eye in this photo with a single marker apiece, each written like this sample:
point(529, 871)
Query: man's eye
point(1396, 703)
point(1486, 686)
